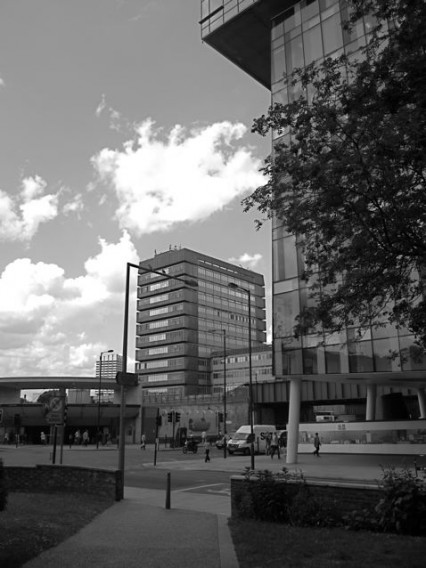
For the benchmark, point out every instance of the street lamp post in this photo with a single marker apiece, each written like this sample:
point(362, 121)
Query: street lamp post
point(122, 437)
point(223, 331)
point(248, 292)
point(98, 433)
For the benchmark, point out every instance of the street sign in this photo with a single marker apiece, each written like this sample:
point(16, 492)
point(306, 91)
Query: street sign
point(126, 379)
point(55, 411)
point(55, 404)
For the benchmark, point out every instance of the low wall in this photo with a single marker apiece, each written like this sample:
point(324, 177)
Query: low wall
point(342, 498)
point(399, 437)
point(64, 478)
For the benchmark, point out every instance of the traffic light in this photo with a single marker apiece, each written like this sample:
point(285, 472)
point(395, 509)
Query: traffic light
point(177, 416)
point(158, 420)
point(65, 413)
point(17, 420)
point(220, 416)
point(170, 417)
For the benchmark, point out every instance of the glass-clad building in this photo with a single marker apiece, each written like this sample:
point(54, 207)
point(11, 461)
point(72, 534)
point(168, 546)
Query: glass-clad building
point(268, 39)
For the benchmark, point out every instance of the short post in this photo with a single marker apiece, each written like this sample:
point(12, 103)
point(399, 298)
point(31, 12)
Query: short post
point(168, 492)
point(55, 433)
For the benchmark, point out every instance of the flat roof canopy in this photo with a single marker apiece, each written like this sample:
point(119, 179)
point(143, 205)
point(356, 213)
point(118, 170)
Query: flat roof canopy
point(245, 39)
point(42, 382)
point(406, 379)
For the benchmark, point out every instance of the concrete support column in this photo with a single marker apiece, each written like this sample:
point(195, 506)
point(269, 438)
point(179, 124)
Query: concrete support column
point(370, 412)
point(380, 410)
point(293, 420)
point(422, 402)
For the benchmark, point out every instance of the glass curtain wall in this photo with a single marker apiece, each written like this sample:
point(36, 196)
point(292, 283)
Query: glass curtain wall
point(310, 31)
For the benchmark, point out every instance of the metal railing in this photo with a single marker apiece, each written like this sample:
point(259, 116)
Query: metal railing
point(215, 13)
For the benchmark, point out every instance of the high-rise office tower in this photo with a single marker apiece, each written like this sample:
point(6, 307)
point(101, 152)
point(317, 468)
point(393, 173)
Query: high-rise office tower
point(268, 39)
point(180, 321)
point(112, 363)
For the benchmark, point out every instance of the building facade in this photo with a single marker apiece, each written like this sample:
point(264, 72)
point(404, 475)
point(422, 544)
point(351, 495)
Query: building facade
point(230, 369)
point(111, 364)
point(268, 39)
point(181, 320)
point(296, 34)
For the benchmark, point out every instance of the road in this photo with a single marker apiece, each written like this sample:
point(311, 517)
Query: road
point(139, 465)
point(189, 471)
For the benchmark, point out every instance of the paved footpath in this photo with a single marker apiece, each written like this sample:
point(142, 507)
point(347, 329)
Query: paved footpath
point(140, 532)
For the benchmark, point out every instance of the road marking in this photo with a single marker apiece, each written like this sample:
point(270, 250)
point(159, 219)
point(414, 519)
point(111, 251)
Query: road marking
point(225, 491)
point(199, 487)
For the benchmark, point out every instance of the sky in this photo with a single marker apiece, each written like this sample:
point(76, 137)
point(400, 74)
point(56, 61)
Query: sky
point(121, 134)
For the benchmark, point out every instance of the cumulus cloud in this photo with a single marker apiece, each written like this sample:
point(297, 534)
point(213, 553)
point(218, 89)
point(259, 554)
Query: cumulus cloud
point(54, 325)
point(184, 176)
point(247, 260)
point(22, 214)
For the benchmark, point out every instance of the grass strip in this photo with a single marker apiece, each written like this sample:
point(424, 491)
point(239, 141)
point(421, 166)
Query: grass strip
point(268, 545)
point(34, 522)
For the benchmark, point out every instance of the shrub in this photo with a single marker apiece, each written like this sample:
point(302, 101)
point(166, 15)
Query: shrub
point(402, 508)
point(282, 497)
point(3, 488)
point(286, 498)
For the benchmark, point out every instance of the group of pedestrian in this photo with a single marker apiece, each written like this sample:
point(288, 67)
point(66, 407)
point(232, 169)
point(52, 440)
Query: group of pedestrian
point(79, 439)
point(273, 445)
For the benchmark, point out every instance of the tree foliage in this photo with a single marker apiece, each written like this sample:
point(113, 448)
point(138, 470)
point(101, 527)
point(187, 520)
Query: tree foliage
point(46, 396)
point(348, 175)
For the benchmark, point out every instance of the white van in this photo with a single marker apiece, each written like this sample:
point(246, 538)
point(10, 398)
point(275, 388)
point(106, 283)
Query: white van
point(325, 416)
point(241, 440)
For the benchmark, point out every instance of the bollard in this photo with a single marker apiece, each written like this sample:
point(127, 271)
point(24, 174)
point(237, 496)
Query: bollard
point(168, 492)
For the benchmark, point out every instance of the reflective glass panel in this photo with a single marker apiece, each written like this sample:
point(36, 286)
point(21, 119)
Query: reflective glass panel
point(312, 44)
point(413, 357)
point(294, 54)
point(285, 258)
point(332, 34)
point(386, 354)
point(360, 357)
point(286, 308)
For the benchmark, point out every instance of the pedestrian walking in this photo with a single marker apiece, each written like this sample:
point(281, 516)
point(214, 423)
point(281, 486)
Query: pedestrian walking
point(268, 443)
point(143, 442)
point(43, 438)
point(86, 438)
point(275, 446)
point(207, 458)
point(317, 444)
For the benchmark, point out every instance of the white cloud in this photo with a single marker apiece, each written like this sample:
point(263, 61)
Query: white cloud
point(22, 215)
point(114, 117)
point(186, 176)
point(74, 206)
point(54, 325)
point(101, 106)
point(247, 260)
point(32, 187)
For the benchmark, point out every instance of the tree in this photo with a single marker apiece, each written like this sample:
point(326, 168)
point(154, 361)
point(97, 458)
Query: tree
point(46, 396)
point(348, 175)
